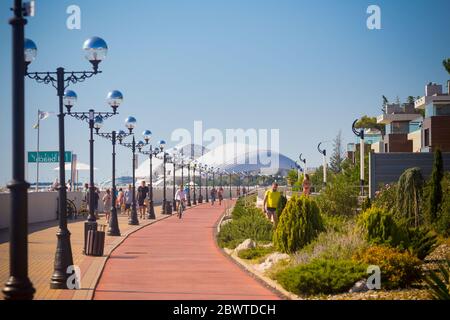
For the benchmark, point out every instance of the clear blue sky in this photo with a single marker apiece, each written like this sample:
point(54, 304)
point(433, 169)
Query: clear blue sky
point(308, 68)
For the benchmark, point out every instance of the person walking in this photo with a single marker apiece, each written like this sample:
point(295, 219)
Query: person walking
point(142, 193)
point(128, 199)
point(213, 195)
point(120, 202)
point(96, 200)
point(271, 200)
point(107, 198)
point(180, 199)
point(220, 195)
point(306, 185)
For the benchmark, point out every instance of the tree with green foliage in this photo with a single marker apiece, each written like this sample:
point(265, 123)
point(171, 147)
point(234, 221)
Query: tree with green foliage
point(292, 177)
point(367, 122)
point(435, 196)
point(338, 154)
point(446, 64)
point(409, 195)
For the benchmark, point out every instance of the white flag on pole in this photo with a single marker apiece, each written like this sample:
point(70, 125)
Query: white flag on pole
point(42, 115)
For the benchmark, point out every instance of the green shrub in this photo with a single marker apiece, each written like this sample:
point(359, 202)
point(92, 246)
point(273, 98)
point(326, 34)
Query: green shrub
point(251, 225)
point(409, 196)
point(442, 225)
point(435, 193)
point(386, 197)
point(381, 228)
point(421, 242)
point(299, 224)
point(255, 253)
point(367, 204)
point(241, 206)
point(398, 269)
point(281, 205)
point(336, 223)
point(336, 245)
point(339, 197)
point(438, 281)
point(321, 276)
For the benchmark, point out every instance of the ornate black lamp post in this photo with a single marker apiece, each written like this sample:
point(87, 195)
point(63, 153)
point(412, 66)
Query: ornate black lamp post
point(231, 192)
point(151, 153)
point(360, 135)
point(200, 197)
point(162, 145)
point(188, 165)
point(96, 50)
point(324, 153)
point(18, 285)
point(174, 202)
point(182, 167)
point(95, 121)
point(194, 166)
point(300, 157)
point(213, 172)
point(114, 136)
point(206, 181)
point(131, 124)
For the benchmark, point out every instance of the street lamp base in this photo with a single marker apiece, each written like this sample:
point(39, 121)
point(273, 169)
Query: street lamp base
point(63, 260)
point(18, 289)
point(200, 199)
point(151, 211)
point(113, 229)
point(133, 221)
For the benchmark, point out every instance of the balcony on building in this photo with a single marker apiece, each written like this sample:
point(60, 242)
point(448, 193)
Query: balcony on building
point(397, 120)
point(435, 131)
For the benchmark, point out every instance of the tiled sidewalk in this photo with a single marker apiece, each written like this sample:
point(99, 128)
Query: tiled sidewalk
point(41, 251)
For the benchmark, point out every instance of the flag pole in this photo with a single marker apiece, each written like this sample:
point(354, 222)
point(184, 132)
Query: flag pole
point(37, 155)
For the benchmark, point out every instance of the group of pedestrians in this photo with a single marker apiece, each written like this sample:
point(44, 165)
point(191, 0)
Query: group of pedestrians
point(124, 199)
point(216, 194)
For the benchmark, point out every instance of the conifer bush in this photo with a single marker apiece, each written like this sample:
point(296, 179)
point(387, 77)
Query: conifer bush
point(381, 227)
point(321, 276)
point(409, 196)
point(281, 205)
point(299, 224)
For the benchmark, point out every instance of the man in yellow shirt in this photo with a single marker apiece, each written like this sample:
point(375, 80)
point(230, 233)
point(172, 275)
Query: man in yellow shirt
point(271, 199)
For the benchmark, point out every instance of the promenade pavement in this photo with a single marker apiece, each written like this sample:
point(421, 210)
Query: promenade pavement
point(177, 260)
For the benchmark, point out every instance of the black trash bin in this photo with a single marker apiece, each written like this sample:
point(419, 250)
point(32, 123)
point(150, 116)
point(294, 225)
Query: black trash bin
point(168, 208)
point(96, 242)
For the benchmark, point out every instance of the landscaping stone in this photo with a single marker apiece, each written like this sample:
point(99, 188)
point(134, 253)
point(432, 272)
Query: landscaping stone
point(247, 244)
point(360, 286)
point(271, 260)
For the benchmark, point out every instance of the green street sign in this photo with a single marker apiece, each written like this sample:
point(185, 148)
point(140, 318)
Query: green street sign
point(48, 157)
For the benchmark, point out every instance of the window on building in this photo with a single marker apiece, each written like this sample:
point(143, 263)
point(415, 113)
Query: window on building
point(426, 138)
point(443, 110)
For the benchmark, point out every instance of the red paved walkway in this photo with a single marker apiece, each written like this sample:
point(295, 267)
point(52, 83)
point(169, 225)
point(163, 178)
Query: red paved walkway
point(177, 260)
